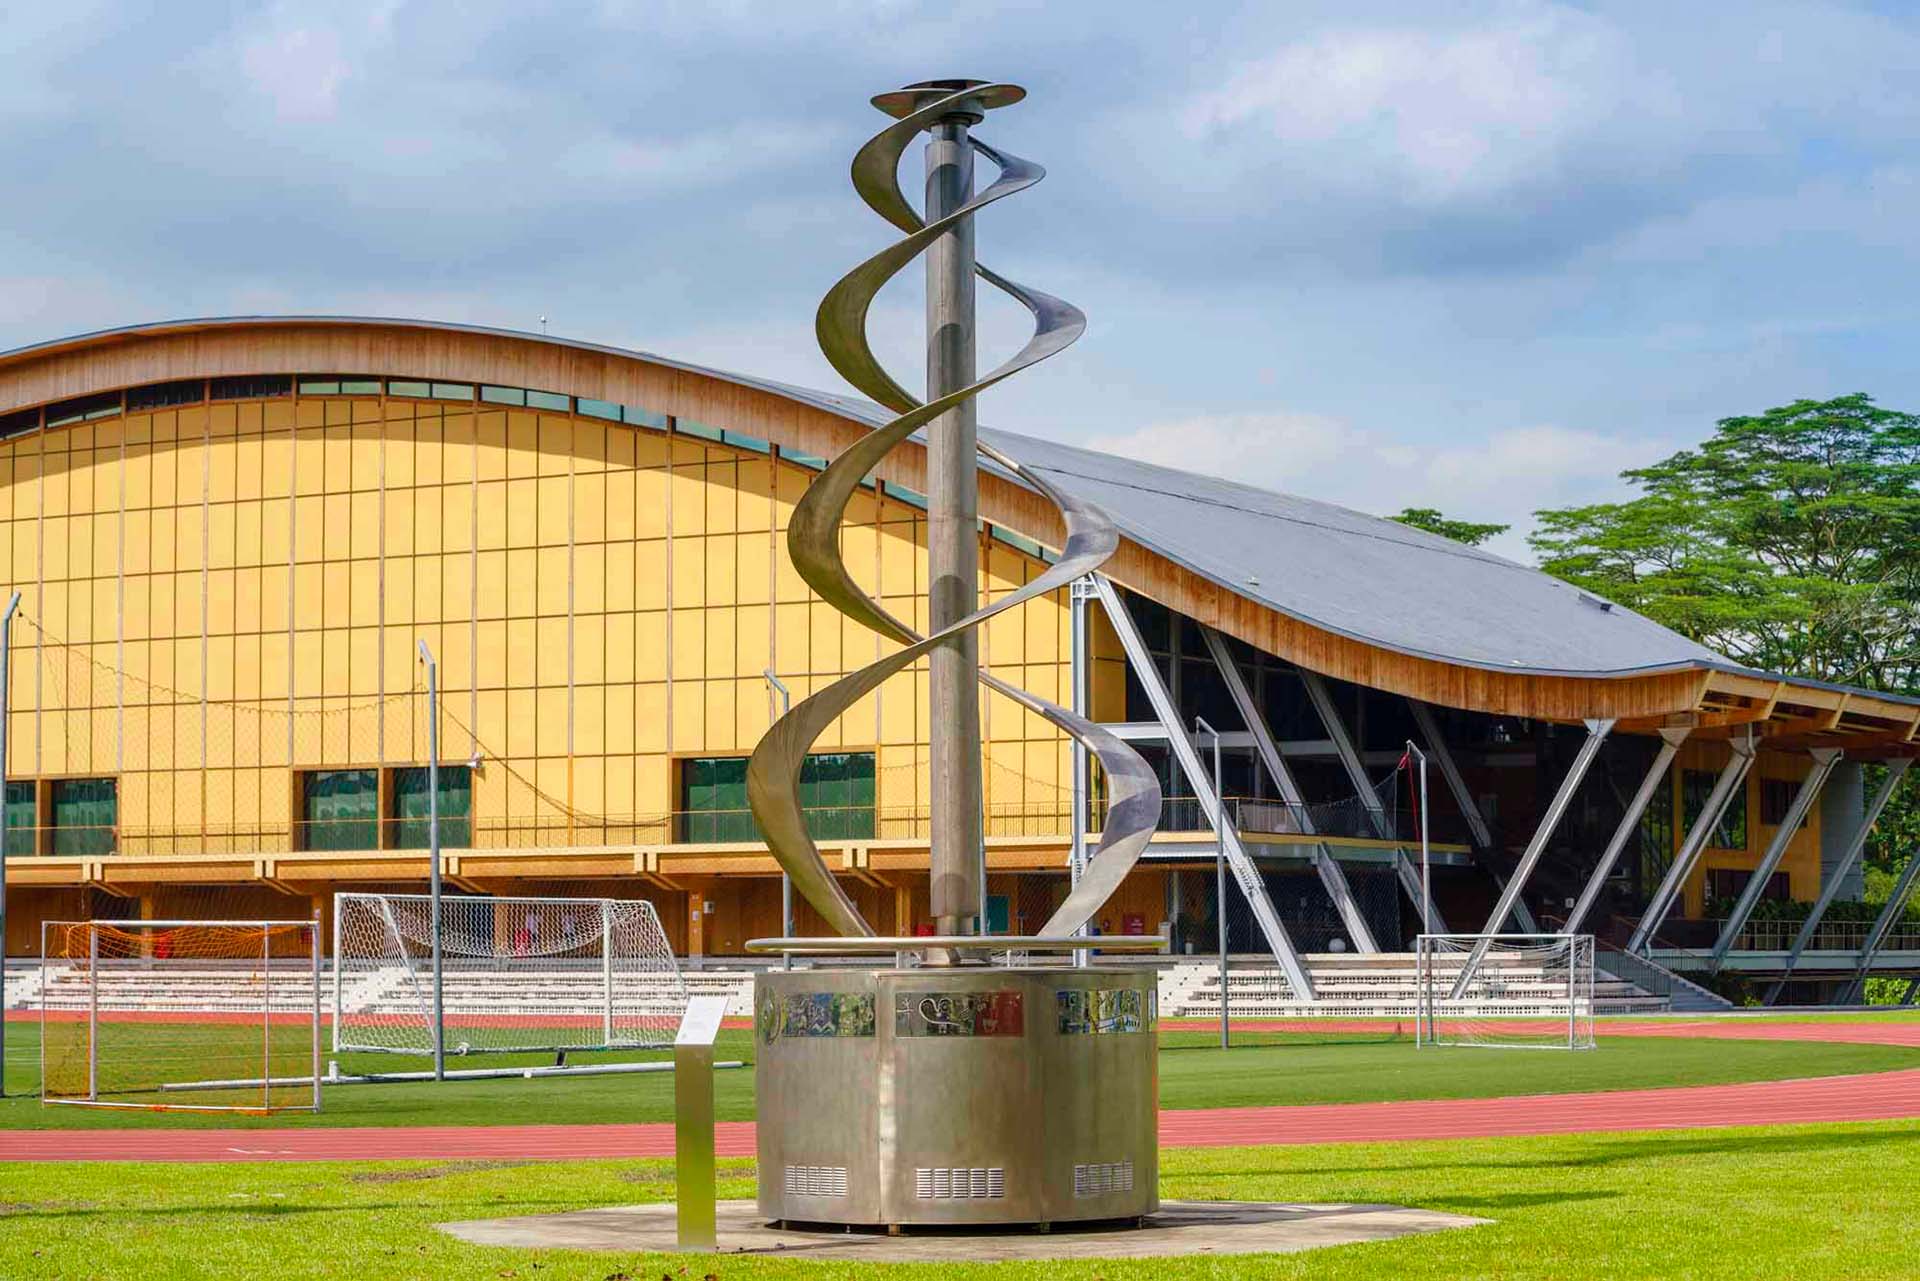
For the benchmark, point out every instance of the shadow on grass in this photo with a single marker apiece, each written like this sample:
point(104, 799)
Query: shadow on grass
point(1611, 1150)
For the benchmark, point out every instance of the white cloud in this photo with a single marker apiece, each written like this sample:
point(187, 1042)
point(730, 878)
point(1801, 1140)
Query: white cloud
point(1503, 476)
point(299, 70)
point(1442, 114)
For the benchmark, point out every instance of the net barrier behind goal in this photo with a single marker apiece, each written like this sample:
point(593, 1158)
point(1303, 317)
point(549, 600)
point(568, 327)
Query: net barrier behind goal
point(518, 975)
point(200, 1015)
point(1524, 991)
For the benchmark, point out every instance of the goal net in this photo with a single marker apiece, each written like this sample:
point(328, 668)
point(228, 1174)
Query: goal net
point(518, 975)
point(201, 1015)
point(1514, 990)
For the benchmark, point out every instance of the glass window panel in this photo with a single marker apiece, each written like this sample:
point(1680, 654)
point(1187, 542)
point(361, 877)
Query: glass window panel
point(548, 400)
point(813, 462)
point(452, 391)
point(409, 389)
point(645, 417)
point(412, 827)
point(740, 441)
point(503, 395)
point(598, 408)
point(359, 387)
point(20, 817)
point(85, 812)
point(340, 809)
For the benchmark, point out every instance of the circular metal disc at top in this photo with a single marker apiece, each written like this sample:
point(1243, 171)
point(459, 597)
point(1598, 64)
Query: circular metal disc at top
point(905, 101)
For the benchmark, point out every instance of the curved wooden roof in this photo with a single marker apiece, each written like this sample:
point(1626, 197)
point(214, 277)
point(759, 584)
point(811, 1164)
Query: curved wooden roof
point(1331, 590)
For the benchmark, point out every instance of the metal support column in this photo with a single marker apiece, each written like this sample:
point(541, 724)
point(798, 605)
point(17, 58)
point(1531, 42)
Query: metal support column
point(434, 929)
point(1896, 906)
point(1331, 874)
point(1200, 726)
point(1416, 891)
point(779, 687)
point(1670, 740)
point(1824, 761)
point(1437, 746)
point(1244, 872)
point(1080, 677)
point(1730, 782)
point(6, 651)
point(1322, 699)
point(1597, 731)
point(1334, 877)
point(1842, 868)
point(1256, 725)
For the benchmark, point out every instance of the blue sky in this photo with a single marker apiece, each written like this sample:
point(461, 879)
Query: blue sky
point(1479, 257)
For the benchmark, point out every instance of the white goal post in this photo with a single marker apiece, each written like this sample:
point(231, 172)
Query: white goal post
point(518, 975)
point(217, 1016)
point(1528, 991)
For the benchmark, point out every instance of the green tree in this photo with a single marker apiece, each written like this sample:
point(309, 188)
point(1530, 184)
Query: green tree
point(1789, 541)
point(1460, 531)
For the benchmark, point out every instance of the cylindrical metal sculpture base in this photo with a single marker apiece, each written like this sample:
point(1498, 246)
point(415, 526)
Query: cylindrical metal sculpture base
point(956, 1096)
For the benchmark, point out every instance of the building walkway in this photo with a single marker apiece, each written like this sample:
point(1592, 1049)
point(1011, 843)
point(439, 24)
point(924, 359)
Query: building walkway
point(1877, 1096)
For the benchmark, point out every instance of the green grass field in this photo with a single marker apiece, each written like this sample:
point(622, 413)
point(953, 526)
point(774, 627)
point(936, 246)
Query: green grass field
point(1805, 1201)
point(1262, 1069)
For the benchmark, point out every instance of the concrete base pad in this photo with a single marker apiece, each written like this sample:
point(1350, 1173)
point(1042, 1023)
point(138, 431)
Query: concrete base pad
point(1180, 1228)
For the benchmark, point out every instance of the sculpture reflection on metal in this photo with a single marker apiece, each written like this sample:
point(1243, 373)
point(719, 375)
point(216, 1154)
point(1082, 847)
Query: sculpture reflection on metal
point(813, 534)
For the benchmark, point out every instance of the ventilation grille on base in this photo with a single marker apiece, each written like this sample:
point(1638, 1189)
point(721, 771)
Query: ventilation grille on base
point(960, 1184)
point(1103, 1179)
point(817, 1180)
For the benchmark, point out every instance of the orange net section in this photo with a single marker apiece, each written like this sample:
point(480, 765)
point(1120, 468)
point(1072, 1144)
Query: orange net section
point(214, 1015)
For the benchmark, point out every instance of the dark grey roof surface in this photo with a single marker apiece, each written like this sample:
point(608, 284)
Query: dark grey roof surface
point(1361, 576)
point(1357, 575)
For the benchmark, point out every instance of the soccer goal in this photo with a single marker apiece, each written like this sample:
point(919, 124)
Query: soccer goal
point(1532, 991)
point(200, 1015)
point(517, 975)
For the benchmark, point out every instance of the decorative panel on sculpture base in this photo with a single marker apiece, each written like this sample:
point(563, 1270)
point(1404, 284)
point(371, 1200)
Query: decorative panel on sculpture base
point(953, 1096)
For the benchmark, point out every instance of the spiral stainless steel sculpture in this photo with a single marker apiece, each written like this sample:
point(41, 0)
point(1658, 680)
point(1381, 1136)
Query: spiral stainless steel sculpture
point(813, 534)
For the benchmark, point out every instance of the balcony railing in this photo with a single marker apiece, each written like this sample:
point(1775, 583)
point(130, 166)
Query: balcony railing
point(1828, 936)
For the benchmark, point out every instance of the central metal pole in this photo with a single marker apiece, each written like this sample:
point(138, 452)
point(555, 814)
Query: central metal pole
point(433, 862)
point(953, 548)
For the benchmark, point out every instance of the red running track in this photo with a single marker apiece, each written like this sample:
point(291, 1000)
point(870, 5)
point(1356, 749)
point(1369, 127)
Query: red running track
point(1876, 1097)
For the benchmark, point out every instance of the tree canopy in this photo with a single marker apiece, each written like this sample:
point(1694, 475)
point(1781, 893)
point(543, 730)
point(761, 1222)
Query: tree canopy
point(1460, 531)
point(1790, 541)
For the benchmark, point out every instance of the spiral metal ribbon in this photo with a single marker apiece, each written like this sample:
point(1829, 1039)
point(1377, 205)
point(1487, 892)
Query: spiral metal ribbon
point(813, 541)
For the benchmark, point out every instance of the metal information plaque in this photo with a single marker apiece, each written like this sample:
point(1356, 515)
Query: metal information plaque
point(695, 1189)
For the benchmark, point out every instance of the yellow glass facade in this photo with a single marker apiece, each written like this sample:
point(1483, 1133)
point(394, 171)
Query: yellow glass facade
point(218, 596)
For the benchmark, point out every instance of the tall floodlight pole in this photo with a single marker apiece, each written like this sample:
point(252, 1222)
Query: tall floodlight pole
point(1426, 877)
point(953, 533)
point(779, 687)
point(1200, 726)
point(433, 861)
point(6, 650)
